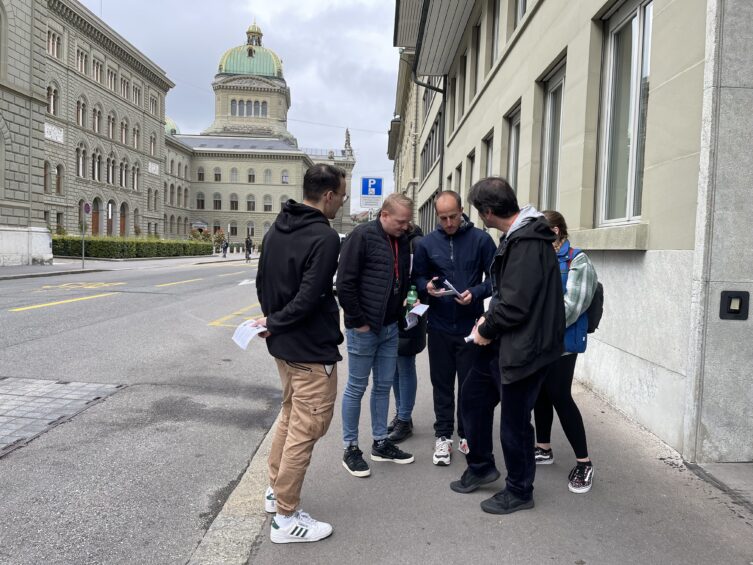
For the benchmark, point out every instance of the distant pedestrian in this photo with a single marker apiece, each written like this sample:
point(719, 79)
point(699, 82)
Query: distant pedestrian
point(372, 283)
point(249, 246)
point(579, 285)
point(225, 245)
point(294, 286)
point(525, 323)
point(410, 343)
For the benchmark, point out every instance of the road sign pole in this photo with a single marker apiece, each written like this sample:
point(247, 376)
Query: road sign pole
point(83, 233)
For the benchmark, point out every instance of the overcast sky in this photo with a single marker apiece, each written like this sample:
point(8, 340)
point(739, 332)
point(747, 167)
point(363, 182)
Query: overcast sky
point(337, 55)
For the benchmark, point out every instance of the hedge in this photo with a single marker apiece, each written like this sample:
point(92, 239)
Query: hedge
point(128, 248)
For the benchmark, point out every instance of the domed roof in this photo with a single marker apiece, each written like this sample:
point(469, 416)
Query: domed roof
point(251, 58)
point(171, 128)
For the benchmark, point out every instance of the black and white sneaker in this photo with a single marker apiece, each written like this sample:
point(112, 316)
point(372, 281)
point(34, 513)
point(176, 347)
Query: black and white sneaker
point(442, 451)
point(581, 478)
point(385, 450)
point(270, 501)
point(544, 456)
point(301, 528)
point(354, 463)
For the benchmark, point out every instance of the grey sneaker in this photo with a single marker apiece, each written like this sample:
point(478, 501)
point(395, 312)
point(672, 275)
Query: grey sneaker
point(544, 456)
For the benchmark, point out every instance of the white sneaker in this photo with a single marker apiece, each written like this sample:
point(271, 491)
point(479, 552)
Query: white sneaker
point(442, 451)
point(270, 501)
point(463, 446)
point(301, 528)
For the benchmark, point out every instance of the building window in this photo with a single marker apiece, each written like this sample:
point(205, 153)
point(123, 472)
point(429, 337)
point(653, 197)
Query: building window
point(200, 174)
point(217, 201)
point(513, 147)
point(123, 178)
point(267, 203)
point(136, 137)
point(285, 178)
point(53, 100)
point(111, 119)
point(217, 174)
point(250, 229)
point(136, 96)
point(451, 103)
point(97, 70)
point(135, 177)
point(111, 76)
point(475, 59)
point(431, 149)
point(59, 180)
point(81, 160)
point(233, 107)
point(234, 202)
point(233, 229)
point(172, 195)
point(125, 87)
point(628, 61)
point(233, 175)
point(97, 120)
point(251, 176)
point(54, 43)
point(495, 10)
point(59, 220)
point(172, 166)
point(124, 132)
point(267, 225)
point(81, 113)
point(519, 10)
point(267, 176)
point(263, 109)
point(257, 108)
point(250, 203)
point(82, 61)
point(153, 105)
point(96, 166)
point(152, 145)
point(216, 227)
point(489, 155)
point(199, 200)
point(554, 88)
point(185, 197)
point(462, 74)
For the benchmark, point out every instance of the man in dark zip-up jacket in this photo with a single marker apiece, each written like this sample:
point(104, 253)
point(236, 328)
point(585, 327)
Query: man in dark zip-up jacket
point(294, 286)
point(372, 283)
point(462, 254)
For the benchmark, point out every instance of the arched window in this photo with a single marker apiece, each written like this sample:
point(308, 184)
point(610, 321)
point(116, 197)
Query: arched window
point(178, 224)
point(284, 198)
point(152, 144)
point(135, 177)
point(233, 175)
point(172, 195)
point(185, 197)
point(200, 174)
point(217, 200)
point(249, 108)
point(111, 121)
point(185, 226)
point(96, 165)
point(199, 200)
point(164, 196)
point(59, 180)
point(81, 160)
point(81, 112)
point(267, 176)
point(136, 136)
point(267, 225)
point(257, 108)
point(148, 199)
point(267, 203)
point(46, 181)
point(233, 229)
point(155, 200)
point(97, 120)
point(233, 107)
point(124, 173)
point(216, 226)
point(172, 166)
point(250, 229)
point(250, 203)
point(263, 109)
point(241, 108)
point(172, 224)
point(53, 99)
point(284, 177)
point(234, 202)
point(180, 170)
point(217, 174)
point(124, 131)
point(111, 163)
point(251, 175)
point(180, 196)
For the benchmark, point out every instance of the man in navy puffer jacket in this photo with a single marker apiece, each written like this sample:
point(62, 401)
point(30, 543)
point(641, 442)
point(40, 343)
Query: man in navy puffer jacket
point(458, 252)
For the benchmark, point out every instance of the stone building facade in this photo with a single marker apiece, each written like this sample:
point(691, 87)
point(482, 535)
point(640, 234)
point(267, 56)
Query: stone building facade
point(83, 121)
point(632, 118)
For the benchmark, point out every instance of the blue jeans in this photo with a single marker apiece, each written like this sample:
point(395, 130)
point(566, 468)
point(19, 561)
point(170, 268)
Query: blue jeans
point(376, 353)
point(404, 384)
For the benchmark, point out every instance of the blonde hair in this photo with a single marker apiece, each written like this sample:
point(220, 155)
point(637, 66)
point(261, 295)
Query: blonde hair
point(396, 199)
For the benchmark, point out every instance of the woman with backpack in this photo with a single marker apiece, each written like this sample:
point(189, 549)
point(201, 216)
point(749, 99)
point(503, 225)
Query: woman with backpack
point(579, 284)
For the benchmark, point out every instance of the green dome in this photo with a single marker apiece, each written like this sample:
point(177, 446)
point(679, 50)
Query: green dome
point(171, 128)
point(251, 58)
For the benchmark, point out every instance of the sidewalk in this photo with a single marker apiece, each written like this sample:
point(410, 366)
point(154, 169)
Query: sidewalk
point(645, 505)
point(72, 266)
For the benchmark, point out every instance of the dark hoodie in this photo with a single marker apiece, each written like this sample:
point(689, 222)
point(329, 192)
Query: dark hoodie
point(527, 310)
point(294, 286)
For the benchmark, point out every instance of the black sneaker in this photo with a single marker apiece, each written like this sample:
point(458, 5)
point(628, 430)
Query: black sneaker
point(354, 463)
point(385, 450)
point(544, 456)
point(402, 430)
point(391, 425)
point(505, 502)
point(581, 478)
point(470, 482)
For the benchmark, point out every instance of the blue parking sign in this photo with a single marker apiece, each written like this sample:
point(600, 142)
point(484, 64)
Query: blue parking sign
point(371, 186)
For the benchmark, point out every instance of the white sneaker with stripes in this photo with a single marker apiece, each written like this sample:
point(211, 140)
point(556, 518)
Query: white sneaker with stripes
point(301, 528)
point(270, 501)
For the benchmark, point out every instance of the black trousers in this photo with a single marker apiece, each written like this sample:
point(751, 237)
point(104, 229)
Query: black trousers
point(482, 390)
point(449, 355)
point(556, 394)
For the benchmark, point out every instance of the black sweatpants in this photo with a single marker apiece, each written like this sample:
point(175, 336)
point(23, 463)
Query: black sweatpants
point(556, 392)
point(449, 355)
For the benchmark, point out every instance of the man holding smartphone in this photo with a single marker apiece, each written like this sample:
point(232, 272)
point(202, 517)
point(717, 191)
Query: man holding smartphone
point(460, 254)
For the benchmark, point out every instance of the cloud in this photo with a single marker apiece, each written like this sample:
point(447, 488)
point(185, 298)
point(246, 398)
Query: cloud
point(338, 61)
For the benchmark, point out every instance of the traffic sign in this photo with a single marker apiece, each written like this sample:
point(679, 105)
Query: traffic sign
point(371, 192)
point(87, 208)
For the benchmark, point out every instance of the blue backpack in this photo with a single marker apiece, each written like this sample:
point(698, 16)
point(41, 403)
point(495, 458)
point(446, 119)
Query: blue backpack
point(576, 333)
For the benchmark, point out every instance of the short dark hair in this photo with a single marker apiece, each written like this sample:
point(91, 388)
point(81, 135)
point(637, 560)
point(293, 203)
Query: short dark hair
point(320, 179)
point(494, 194)
point(556, 220)
point(452, 193)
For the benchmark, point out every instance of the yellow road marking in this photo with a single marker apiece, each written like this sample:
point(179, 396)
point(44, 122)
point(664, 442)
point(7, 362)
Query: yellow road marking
point(231, 274)
point(81, 285)
point(61, 302)
point(179, 282)
point(221, 321)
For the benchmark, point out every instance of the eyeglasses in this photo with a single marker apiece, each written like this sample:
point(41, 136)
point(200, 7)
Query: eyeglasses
point(345, 196)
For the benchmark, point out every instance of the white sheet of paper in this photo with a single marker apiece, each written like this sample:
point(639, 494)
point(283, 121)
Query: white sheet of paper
point(411, 320)
point(452, 289)
point(419, 309)
point(245, 332)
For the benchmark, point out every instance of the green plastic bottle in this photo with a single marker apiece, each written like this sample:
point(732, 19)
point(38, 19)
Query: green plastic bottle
point(412, 298)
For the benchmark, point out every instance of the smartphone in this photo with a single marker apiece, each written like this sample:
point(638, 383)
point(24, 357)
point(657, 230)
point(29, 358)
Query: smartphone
point(438, 283)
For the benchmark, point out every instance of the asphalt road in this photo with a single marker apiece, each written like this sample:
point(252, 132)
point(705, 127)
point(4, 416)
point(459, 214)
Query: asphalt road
point(139, 477)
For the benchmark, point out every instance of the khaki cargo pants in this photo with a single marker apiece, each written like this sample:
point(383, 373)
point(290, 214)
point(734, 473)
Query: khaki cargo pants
point(308, 401)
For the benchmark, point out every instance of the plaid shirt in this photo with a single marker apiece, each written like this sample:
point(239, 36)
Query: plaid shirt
point(581, 286)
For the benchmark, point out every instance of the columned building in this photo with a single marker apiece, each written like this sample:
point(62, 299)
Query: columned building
point(631, 117)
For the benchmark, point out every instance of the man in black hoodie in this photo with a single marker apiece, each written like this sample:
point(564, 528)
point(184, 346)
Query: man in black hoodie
point(294, 286)
point(523, 328)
